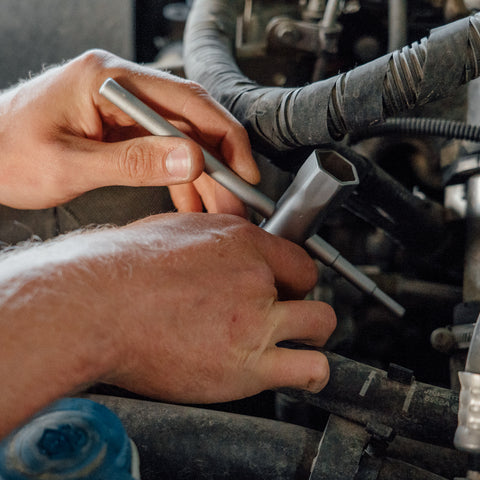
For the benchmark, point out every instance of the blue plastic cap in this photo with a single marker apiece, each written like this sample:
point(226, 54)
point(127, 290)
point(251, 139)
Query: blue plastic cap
point(73, 438)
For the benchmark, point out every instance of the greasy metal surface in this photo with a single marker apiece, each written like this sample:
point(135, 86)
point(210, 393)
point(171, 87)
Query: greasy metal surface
point(471, 281)
point(467, 435)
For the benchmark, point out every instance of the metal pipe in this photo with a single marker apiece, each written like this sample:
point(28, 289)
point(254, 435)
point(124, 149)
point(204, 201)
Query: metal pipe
point(330, 15)
point(157, 125)
point(471, 277)
point(397, 24)
point(314, 9)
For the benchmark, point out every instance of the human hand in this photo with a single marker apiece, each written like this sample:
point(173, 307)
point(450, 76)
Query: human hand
point(181, 307)
point(61, 138)
point(201, 313)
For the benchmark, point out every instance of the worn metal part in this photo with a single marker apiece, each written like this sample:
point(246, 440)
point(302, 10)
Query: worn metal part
point(443, 340)
point(471, 280)
point(155, 124)
point(397, 24)
point(288, 32)
point(318, 32)
point(467, 435)
point(473, 358)
point(463, 334)
point(383, 201)
point(322, 183)
point(314, 9)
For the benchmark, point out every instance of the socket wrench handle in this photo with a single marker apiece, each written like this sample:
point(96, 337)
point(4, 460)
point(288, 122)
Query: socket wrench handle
point(157, 125)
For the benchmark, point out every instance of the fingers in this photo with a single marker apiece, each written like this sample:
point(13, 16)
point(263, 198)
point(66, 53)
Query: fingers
point(185, 198)
point(191, 197)
point(227, 202)
point(184, 103)
point(295, 272)
point(144, 161)
point(218, 199)
point(302, 369)
point(308, 322)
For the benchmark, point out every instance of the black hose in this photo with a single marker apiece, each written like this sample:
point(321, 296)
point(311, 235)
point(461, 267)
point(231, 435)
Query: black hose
point(435, 127)
point(179, 442)
point(364, 394)
point(416, 223)
point(282, 119)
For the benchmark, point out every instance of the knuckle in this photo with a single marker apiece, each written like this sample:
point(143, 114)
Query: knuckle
point(94, 58)
point(264, 277)
point(136, 163)
point(239, 131)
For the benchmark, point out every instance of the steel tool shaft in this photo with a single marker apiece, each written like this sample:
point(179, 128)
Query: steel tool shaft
point(319, 248)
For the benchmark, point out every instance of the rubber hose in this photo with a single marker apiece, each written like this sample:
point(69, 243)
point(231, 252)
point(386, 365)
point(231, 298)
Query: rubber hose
point(364, 394)
point(179, 442)
point(282, 119)
point(435, 127)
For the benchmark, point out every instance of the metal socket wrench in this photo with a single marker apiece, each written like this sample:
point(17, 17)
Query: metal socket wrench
point(319, 248)
point(322, 183)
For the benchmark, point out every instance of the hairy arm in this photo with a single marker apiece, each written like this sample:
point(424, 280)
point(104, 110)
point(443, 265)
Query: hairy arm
point(181, 307)
point(53, 341)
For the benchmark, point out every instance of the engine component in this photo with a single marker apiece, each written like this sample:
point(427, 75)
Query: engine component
point(264, 449)
point(368, 94)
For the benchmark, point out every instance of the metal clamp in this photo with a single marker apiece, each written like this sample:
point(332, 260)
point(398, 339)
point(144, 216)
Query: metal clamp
point(467, 435)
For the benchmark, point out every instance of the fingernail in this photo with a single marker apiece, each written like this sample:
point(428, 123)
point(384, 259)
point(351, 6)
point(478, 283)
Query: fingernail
point(179, 163)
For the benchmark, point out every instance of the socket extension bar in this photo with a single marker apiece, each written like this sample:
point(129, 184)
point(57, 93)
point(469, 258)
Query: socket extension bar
point(316, 246)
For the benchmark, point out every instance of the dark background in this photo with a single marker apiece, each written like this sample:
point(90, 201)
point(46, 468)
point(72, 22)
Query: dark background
point(38, 33)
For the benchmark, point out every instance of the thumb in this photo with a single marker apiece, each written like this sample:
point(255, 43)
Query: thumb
point(301, 369)
point(142, 161)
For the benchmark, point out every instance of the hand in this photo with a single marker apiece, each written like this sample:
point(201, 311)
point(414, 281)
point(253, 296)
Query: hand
point(208, 329)
point(61, 138)
point(181, 307)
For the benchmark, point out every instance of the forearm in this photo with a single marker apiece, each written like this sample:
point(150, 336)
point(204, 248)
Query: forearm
point(180, 307)
point(51, 344)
